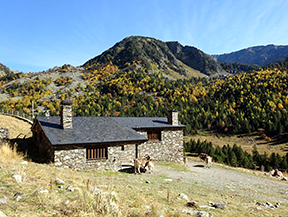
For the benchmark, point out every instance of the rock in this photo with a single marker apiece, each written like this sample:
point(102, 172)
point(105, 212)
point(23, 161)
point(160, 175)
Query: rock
point(2, 214)
point(69, 188)
point(159, 214)
point(18, 198)
point(220, 205)
point(195, 213)
point(41, 191)
point(183, 196)
point(270, 205)
point(148, 182)
point(1, 167)
point(60, 186)
point(65, 202)
point(277, 205)
point(192, 204)
point(202, 213)
point(17, 177)
point(3, 201)
point(277, 173)
point(17, 194)
point(59, 181)
point(147, 207)
point(23, 162)
point(207, 207)
point(168, 180)
point(259, 204)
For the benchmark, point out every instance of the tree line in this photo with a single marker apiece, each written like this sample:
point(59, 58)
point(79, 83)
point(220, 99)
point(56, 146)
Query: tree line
point(235, 156)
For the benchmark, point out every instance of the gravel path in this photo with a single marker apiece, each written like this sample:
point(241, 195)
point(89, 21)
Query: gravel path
point(231, 180)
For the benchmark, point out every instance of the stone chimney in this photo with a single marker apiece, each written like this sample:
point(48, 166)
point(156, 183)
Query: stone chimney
point(173, 117)
point(47, 113)
point(66, 114)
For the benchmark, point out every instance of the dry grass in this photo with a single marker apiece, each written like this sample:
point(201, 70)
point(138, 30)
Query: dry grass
point(246, 142)
point(109, 193)
point(8, 153)
point(16, 126)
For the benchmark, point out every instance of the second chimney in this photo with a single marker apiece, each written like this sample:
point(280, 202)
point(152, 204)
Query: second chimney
point(66, 114)
point(173, 117)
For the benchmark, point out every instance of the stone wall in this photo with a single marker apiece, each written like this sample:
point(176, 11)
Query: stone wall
point(76, 158)
point(4, 133)
point(170, 148)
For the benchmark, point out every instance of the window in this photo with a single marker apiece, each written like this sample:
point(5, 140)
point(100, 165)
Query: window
point(96, 153)
point(154, 135)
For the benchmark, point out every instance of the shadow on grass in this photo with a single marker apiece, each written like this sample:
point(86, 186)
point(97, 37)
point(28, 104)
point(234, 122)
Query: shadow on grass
point(198, 165)
point(25, 145)
point(130, 169)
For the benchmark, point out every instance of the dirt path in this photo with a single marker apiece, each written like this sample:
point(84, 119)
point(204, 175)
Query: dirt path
point(231, 181)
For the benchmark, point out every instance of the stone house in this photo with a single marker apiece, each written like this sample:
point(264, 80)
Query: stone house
point(106, 142)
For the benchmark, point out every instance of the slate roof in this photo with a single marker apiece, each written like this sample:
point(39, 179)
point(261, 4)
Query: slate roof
point(145, 122)
point(93, 130)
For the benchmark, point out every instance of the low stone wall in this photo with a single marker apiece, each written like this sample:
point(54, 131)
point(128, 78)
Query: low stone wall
point(170, 149)
point(4, 133)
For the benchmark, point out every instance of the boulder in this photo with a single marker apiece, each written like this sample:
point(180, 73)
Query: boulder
point(41, 191)
point(17, 177)
point(278, 174)
point(195, 213)
point(65, 202)
point(2, 201)
point(59, 181)
point(192, 204)
point(183, 196)
point(220, 205)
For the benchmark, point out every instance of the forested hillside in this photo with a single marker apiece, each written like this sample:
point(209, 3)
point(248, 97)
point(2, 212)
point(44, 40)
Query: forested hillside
point(240, 104)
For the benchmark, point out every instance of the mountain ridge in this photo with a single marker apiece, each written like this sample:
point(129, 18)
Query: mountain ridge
point(259, 55)
point(177, 61)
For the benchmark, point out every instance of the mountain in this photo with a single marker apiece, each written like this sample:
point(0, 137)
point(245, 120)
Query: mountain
point(195, 58)
point(154, 54)
point(259, 55)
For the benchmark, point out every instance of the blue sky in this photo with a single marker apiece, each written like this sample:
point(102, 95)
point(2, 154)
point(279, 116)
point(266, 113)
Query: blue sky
point(40, 34)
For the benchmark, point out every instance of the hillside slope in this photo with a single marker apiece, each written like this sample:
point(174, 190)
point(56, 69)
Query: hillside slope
point(259, 55)
point(109, 193)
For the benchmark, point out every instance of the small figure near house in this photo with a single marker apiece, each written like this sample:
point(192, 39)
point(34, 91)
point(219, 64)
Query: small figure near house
point(140, 163)
point(207, 159)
